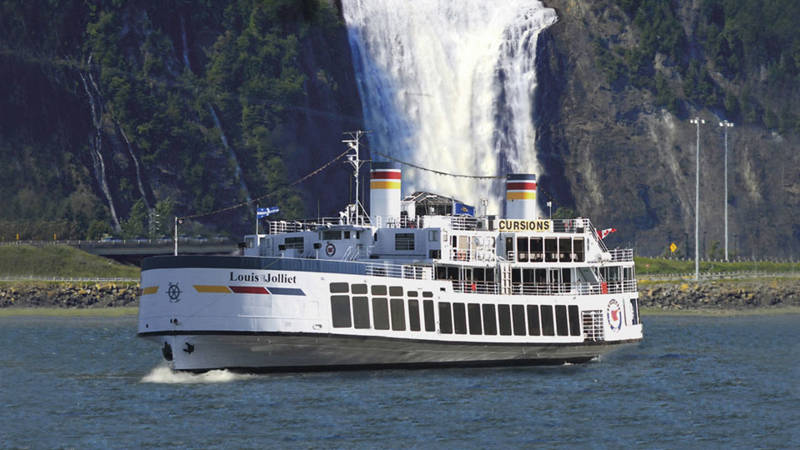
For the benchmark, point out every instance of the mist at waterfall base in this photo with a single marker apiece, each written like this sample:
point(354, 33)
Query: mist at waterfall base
point(693, 382)
point(449, 85)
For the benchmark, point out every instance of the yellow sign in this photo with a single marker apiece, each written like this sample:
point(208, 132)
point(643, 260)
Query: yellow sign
point(673, 247)
point(524, 225)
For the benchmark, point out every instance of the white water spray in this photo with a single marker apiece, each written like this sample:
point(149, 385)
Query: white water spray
point(164, 375)
point(449, 84)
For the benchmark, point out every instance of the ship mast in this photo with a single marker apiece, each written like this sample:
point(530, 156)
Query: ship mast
point(355, 161)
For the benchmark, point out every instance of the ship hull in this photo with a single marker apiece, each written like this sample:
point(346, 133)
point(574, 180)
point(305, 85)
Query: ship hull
point(260, 314)
point(281, 352)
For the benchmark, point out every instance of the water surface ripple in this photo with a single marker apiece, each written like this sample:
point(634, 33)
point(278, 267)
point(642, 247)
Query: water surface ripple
point(693, 382)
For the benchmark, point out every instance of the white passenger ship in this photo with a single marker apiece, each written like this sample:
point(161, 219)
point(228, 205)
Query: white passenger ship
point(419, 282)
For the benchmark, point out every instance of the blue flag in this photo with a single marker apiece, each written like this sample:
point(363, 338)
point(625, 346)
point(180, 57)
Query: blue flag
point(264, 212)
point(460, 209)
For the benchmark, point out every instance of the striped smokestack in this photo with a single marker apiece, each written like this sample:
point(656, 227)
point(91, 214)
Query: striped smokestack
point(384, 193)
point(521, 196)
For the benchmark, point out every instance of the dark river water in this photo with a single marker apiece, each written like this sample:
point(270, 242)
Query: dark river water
point(693, 382)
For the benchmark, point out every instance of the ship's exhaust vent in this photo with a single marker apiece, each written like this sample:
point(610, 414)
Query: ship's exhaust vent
point(521, 196)
point(384, 193)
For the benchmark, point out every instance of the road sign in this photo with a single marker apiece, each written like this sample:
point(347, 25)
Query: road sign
point(673, 247)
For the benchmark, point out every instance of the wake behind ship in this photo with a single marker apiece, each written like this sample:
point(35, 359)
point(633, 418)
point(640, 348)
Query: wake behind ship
point(421, 281)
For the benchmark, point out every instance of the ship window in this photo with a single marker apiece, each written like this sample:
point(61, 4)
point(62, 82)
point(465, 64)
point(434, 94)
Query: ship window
point(550, 254)
point(527, 275)
point(541, 276)
point(340, 311)
point(561, 320)
point(380, 313)
point(533, 320)
point(434, 254)
point(518, 314)
point(427, 294)
point(347, 235)
point(537, 250)
point(445, 318)
point(378, 290)
point(547, 321)
point(635, 308)
point(412, 293)
point(613, 273)
point(459, 318)
point(565, 249)
point(474, 314)
point(433, 235)
point(331, 235)
point(489, 320)
point(577, 248)
point(430, 321)
point(413, 315)
point(337, 288)
point(398, 314)
point(504, 314)
point(516, 275)
point(509, 247)
point(585, 275)
point(395, 291)
point(522, 249)
point(404, 241)
point(627, 273)
point(293, 242)
point(359, 288)
point(574, 321)
point(360, 312)
point(566, 276)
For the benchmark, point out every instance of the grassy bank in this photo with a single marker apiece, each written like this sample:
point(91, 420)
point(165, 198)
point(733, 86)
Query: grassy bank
point(653, 266)
point(59, 261)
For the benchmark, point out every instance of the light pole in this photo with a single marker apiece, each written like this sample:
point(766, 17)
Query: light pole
point(697, 121)
point(725, 125)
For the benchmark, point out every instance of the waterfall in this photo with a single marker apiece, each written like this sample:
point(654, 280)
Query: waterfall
point(449, 84)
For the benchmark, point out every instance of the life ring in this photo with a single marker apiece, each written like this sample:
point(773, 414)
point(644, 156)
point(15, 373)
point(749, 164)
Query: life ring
point(330, 249)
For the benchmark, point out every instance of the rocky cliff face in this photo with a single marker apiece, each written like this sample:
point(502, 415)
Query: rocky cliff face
point(616, 157)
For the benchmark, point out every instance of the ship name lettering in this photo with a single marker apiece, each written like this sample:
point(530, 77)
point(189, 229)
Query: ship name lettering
point(524, 225)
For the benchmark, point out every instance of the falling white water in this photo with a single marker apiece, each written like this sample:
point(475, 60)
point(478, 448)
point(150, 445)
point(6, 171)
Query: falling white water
point(449, 85)
point(164, 375)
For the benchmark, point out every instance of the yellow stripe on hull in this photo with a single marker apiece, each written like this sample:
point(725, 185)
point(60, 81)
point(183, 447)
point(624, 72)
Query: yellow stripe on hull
point(149, 290)
point(210, 289)
point(521, 196)
point(384, 185)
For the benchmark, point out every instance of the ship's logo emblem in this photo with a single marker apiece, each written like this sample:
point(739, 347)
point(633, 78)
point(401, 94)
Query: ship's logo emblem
point(614, 313)
point(330, 249)
point(174, 293)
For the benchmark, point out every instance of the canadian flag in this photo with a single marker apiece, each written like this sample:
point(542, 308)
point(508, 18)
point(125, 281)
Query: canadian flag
point(603, 233)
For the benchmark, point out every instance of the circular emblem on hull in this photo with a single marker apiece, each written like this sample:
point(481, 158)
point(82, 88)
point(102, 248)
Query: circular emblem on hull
point(614, 313)
point(330, 249)
point(174, 293)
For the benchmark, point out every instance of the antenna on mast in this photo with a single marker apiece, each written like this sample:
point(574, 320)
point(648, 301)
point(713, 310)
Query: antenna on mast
point(355, 161)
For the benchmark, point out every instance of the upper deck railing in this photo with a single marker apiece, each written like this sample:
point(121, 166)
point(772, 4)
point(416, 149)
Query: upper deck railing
point(495, 288)
point(621, 254)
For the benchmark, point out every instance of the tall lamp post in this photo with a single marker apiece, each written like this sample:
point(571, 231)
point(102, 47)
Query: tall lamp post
point(697, 121)
point(725, 125)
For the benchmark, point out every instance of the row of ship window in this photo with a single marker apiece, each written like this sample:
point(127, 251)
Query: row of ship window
point(460, 318)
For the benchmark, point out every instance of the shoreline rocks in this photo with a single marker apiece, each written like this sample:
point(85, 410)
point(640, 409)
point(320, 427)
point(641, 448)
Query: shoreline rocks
point(750, 294)
point(68, 295)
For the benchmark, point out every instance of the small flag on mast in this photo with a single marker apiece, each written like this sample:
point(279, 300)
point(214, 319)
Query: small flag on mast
point(264, 212)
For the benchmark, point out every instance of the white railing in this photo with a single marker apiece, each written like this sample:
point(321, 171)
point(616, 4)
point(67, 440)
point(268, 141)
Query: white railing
point(621, 254)
point(593, 325)
point(491, 287)
point(398, 271)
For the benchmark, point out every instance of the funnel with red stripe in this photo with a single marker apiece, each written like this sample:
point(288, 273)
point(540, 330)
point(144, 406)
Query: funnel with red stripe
point(384, 193)
point(521, 196)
